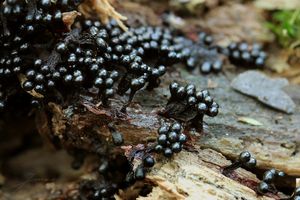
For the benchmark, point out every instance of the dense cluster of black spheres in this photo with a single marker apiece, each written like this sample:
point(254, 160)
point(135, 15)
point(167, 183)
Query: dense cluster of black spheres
point(205, 55)
point(27, 29)
point(244, 54)
point(170, 139)
point(40, 56)
point(189, 105)
point(267, 184)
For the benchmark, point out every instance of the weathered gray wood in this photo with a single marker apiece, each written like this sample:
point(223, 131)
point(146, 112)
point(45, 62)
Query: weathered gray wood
point(275, 144)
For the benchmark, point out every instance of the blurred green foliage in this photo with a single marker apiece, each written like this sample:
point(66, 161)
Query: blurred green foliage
point(286, 26)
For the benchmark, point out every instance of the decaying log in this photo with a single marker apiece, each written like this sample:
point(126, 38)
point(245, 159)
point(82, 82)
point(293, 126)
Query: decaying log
point(274, 144)
point(195, 173)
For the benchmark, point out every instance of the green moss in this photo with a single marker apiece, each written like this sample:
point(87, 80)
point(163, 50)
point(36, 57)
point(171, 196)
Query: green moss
point(286, 26)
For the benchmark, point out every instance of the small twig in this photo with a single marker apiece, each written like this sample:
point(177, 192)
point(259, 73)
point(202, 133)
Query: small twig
point(232, 167)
